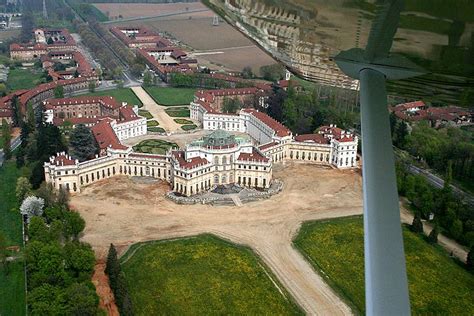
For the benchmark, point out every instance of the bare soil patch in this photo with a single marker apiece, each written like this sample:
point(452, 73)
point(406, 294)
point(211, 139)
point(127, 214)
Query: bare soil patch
point(267, 226)
point(132, 10)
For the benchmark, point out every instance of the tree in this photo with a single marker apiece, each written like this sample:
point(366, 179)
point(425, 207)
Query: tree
point(30, 117)
point(91, 86)
point(23, 188)
point(46, 300)
point(37, 229)
point(470, 259)
point(6, 134)
point(247, 72)
point(456, 229)
point(402, 133)
point(80, 259)
point(32, 206)
point(74, 224)
point(83, 144)
point(63, 198)
point(449, 176)
point(47, 193)
point(273, 72)
point(59, 92)
point(231, 105)
point(147, 79)
point(112, 267)
point(433, 236)
point(4, 253)
point(81, 300)
point(417, 225)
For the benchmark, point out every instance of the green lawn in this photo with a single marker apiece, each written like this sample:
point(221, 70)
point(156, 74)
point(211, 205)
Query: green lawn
point(183, 121)
point(171, 96)
point(154, 146)
point(12, 286)
point(188, 127)
point(178, 112)
point(156, 129)
point(152, 123)
point(19, 78)
point(121, 94)
point(145, 114)
point(202, 276)
point(437, 285)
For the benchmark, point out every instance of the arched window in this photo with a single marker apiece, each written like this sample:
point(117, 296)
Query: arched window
point(224, 160)
point(216, 160)
point(216, 179)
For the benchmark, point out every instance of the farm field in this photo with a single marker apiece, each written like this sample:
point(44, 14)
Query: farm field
point(7, 34)
point(171, 96)
point(437, 284)
point(121, 94)
point(202, 275)
point(12, 286)
point(154, 146)
point(23, 78)
point(221, 46)
point(132, 10)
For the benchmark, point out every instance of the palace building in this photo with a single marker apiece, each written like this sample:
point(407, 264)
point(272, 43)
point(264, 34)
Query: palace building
point(219, 158)
point(239, 149)
point(329, 145)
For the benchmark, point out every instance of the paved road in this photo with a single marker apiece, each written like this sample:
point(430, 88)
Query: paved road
point(439, 183)
point(158, 111)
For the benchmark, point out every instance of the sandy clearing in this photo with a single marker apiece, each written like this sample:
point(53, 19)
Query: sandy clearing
point(132, 10)
point(158, 111)
point(123, 212)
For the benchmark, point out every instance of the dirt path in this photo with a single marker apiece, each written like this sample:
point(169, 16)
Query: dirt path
point(158, 111)
point(124, 212)
point(106, 297)
point(450, 245)
point(127, 212)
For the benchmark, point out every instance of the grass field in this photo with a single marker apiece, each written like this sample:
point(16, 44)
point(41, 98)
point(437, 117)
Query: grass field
point(188, 127)
point(122, 95)
point(154, 146)
point(183, 121)
point(178, 112)
point(20, 78)
point(152, 123)
point(437, 285)
point(145, 114)
point(156, 129)
point(171, 96)
point(202, 276)
point(12, 286)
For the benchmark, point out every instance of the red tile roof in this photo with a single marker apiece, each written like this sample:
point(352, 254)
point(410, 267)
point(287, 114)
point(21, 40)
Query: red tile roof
point(336, 132)
point(126, 114)
point(62, 159)
point(268, 145)
point(254, 156)
point(106, 101)
point(105, 135)
point(312, 138)
point(280, 129)
point(189, 163)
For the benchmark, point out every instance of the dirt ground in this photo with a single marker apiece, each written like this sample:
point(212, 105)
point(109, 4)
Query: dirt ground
point(132, 10)
point(221, 46)
point(123, 212)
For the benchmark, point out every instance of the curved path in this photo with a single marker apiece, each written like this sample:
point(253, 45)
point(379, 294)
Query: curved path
point(158, 111)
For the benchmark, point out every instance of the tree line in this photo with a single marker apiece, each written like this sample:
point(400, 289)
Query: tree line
point(59, 266)
point(304, 111)
point(436, 148)
point(442, 207)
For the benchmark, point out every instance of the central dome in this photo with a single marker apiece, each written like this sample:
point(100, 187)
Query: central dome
point(219, 138)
